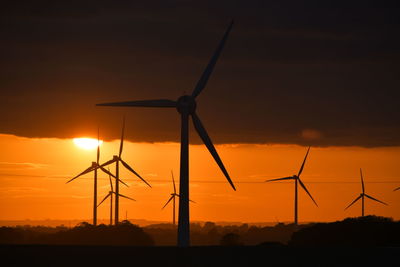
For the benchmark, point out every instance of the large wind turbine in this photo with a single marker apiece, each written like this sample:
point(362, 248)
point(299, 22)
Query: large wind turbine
point(94, 167)
point(362, 196)
point(173, 195)
point(297, 181)
point(186, 106)
point(117, 160)
point(110, 195)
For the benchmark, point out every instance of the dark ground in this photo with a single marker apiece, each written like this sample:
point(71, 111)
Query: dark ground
point(263, 255)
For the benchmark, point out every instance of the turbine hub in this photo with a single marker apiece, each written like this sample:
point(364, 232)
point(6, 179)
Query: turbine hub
point(186, 104)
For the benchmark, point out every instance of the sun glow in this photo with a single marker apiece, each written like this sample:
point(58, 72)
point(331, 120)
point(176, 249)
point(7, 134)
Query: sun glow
point(87, 143)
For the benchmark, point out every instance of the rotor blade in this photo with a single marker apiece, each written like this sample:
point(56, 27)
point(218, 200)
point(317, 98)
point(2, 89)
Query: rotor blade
point(305, 189)
point(121, 144)
point(109, 177)
point(126, 197)
point(123, 183)
point(191, 201)
point(207, 141)
point(362, 181)
point(109, 194)
point(82, 173)
point(107, 163)
point(173, 182)
point(157, 103)
point(131, 170)
point(207, 72)
point(354, 201)
point(376, 200)
point(280, 179)
point(397, 189)
point(169, 200)
point(98, 146)
point(107, 171)
point(304, 161)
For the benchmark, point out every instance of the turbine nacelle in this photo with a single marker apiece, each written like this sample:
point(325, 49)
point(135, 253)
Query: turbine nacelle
point(186, 104)
point(115, 157)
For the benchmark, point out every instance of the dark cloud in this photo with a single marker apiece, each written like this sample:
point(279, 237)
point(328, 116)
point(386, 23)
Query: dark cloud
point(320, 74)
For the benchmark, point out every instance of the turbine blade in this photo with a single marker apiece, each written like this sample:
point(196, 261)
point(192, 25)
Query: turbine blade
point(207, 72)
point(207, 141)
point(107, 163)
point(304, 161)
point(98, 146)
point(123, 183)
point(376, 200)
point(82, 173)
point(109, 177)
point(126, 197)
point(169, 200)
point(396, 189)
point(109, 194)
point(131, 170)
point(157, 103)
point(281, 179)
point(354, 201)
point(305, 189)
point(121, 144)
point(173, 182)
point(107, 171)
point(191, 201)
point(362, 181)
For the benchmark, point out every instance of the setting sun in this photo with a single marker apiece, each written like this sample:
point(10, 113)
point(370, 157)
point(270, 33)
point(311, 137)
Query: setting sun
point(87, 143)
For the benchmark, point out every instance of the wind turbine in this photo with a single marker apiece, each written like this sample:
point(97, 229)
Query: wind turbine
point(362, 196)
point(173, 195)
point(118, 159)
point(186, 106)
point(396, 189)
point(297, 181)
point(94, 167)
point(110, 194)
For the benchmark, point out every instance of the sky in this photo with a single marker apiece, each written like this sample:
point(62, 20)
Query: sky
point(321, 74)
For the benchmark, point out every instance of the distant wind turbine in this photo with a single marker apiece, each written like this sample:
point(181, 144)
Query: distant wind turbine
point(173, 195)
point(110, 195)
point(117, 159)
point(297, 181)
point(94, 167)
point(396, 189)
point(362, 196)
point(186, 106)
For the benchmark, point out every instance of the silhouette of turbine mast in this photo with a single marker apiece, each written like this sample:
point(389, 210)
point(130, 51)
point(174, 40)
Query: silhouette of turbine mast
point(94, 167)
point(186, 106)
point(118, 159)
point(297, 181)
point(362, 196)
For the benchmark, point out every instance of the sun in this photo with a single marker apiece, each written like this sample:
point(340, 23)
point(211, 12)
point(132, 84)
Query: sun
point(87, 143)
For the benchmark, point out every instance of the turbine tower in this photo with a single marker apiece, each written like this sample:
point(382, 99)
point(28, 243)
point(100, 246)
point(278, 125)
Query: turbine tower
point(297, 181)
point(186, 106)
point(94, 167)
point(110, 195)
point(118, 159)
point(362, 196)
point(173, 195)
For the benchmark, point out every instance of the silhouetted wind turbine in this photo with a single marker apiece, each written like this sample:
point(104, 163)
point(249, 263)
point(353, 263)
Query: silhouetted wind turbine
point(186, 106)
point(173, 195)
point(117, 160)
point(297, 180)
point(396, 189)
point(362, 195)
point(94, 167)
point(110, 195)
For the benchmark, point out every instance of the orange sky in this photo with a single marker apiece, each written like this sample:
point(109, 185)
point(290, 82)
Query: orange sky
point(33, 173)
